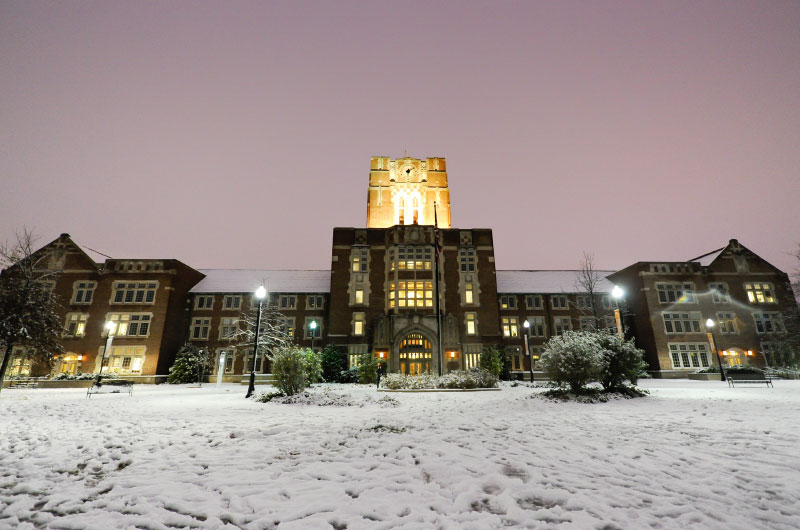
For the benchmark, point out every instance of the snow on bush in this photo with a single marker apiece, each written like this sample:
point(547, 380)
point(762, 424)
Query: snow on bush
point(572, 359)
point(288, 367)
point(312, 365)
point(620, 361)
point(473, 378)
point(326, 397)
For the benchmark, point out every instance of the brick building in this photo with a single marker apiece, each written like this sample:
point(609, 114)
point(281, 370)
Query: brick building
point(379, 296)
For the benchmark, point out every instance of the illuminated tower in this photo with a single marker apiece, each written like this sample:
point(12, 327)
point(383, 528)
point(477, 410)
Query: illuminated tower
point(403, 192)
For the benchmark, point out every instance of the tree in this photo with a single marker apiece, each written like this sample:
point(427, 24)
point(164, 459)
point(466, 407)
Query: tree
point(332, 364)
point(620, 360)
point(573, 359)
point(367, 368)
point(492, 360)
point(190, 363)
point(587, 280)
point(273, 332)
point(28, 311)
point(312, 366)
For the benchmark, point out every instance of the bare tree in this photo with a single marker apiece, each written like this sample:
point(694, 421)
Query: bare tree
point(28, 311)
point(273, 331)
point(587, 279)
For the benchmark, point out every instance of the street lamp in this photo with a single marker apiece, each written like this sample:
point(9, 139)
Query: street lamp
point(110, 327)
point(712, 343)
point(313, 327)
point(619, 294)
point(527, 326)
point(261, 293)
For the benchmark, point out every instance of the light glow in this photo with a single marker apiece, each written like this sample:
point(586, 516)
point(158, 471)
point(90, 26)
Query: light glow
point(261, 292)
point(709, 323)
point(617, 292)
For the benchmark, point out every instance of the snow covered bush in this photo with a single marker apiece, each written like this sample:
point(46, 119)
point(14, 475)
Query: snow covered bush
point(472, 378)
point(288, 367)
point(573, 359)
point(312, 365)
point(492, 360)
point(332, 364)
point(620, 361)
point(80, 376)
point(367, 368)
point(189, 366)
point(348, 376)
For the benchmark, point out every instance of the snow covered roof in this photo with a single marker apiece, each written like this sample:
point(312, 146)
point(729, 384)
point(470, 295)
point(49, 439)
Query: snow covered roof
point(547, 282)
point(706, 259)
point(276, 281)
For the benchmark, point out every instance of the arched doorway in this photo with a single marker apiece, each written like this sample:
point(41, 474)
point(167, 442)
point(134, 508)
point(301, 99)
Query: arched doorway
point(415, 354)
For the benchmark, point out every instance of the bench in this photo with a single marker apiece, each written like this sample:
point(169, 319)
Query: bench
point(26, 384)
point(117, 386)
point(749, 379)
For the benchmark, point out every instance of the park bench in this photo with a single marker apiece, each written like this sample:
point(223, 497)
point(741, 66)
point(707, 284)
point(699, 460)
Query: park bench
point(116, 386)
point(24, 384)
point(749, 379)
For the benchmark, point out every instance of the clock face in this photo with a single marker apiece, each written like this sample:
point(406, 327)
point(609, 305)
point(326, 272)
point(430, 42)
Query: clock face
point(407, 173)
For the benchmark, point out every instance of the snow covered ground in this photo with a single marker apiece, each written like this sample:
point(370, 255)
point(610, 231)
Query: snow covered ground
point(692, 455)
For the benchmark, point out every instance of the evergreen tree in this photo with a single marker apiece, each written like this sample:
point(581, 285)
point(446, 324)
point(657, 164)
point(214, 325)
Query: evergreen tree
point(367, 368)
point(190, 363)
point(332, 364)
point(492, 360)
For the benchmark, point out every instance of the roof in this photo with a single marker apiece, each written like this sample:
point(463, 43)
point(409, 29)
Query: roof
point(547, 282)
point(706, 259)
point(276, 281)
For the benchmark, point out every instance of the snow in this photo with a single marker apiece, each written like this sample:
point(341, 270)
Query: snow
point(694, 454)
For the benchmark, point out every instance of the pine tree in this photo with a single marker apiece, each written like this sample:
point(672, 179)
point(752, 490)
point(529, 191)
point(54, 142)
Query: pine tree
point(190, 363)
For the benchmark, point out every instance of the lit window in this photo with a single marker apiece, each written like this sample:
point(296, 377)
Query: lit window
point(411, 294)
point(204, 302)
point(83, 292)
point(76, 324)
point(359, 296)
point(472, 323)
point(134, 292)
point(199, 329)
point(360, 257)
point(759, 293)
point(689, 355)
point(508, 302)
point(410, 258)
point(769, 323)
point(131, 324)
point(287, 326)
point(125, 360)
point(510, 326)
point(671, 293)
point(358, 324)
point(682, 323)
point(469, 294)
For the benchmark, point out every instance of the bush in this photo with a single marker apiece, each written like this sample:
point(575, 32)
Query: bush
point(620, 361)
point(288, 367)
point(332, 364)
point(472, 378)
point(492, 360)
point(744, 370)
point(348, 376)
point(367, 368)
point(572, 359)
point(312, 366)
point(190, 364)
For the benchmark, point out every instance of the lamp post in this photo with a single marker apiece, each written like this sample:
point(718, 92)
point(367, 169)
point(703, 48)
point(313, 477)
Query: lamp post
point(712, 342)
point(527, 326)
point(619, 294)
point(261, 293)
point(111, 327)
point(313, 327)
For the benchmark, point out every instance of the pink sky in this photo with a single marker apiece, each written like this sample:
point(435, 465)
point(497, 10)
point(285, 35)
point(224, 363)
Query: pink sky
point(237, 134)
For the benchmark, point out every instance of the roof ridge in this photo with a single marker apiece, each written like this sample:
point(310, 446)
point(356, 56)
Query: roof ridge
point(706, 254)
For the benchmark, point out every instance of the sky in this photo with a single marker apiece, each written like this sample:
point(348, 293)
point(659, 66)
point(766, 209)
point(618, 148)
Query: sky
point(237, 134)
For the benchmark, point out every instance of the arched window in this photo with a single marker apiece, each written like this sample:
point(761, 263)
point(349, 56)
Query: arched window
point(416, 211)
point(401, 206)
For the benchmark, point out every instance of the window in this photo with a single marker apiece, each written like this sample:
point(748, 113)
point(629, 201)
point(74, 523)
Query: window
point(777, 353)
point(727, 323)
point(469, 293)
point(609, 302)
point(354, 351)
point(134, 292)
point(75, 325)
point(472, 355)
point(587, 324)
point(510, 326)
point(317, 331)
point(358, 324)
point(719, 293)
point(230, 357)
point(232, 301)
point(360, 257)
point(471, 321)
point(689, 355)
point(411, 294)
point(759, 293)
point(131, 324)
point(515, 354)
point(682, 323)
point(659, 267)
point(508, 302)
point(584, 301)
point(228, 327)
point(288, 301)
point(199, 328)
point(82, 292)
point(769, 323)
point(561, 324)
point(536, 326)
point(314, 301)
point(681, 293)
point(359, 298)
point(125, 360)
point(205, 301)
point(559, 301)
point(411, 258)
point(287, 326)
point(533, 301)
point(466, 259)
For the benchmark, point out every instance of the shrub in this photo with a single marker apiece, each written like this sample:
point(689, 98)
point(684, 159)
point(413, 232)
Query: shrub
point(349, 376)
point(190, 364)
point(472, 378)
point(367, 368)
point(572, 359)
point(492, 360)
point(744, 370)
point(620, 361)
point(312, 366)
point(332, 364)
point(288, 367)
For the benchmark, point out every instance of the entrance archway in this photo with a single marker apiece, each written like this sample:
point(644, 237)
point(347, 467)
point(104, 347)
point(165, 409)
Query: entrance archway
point(415, 354)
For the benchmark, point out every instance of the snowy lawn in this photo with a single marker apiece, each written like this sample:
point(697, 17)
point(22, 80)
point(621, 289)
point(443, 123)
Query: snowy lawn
point(692, 455)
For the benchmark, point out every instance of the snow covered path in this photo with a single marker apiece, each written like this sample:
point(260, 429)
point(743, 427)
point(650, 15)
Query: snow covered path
point(692, 455)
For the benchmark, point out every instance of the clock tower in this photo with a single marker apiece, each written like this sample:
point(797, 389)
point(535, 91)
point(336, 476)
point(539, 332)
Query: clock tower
point(404, 191)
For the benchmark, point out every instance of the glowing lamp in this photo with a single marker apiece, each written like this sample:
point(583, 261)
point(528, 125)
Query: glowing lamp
point(749, 353)
point(261, 292)
point(709, 323)
point(526, 324)
point(617, 292)
point(313, 325)
point(452, 355)
point(381, 354)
